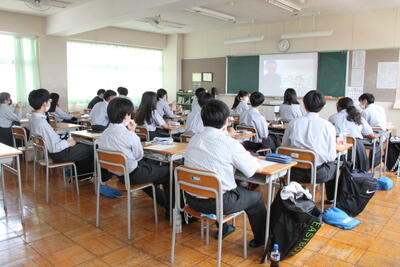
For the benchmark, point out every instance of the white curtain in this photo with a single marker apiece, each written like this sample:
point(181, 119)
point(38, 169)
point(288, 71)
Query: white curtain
point(92, 66)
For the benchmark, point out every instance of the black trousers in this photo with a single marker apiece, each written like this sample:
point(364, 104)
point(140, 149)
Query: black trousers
point(73, 120)
point(99, 128)
point(234, 201)
point(270, 142)
point(81, 154)
point(325, 174)
point(6, 136)
point(163, 133)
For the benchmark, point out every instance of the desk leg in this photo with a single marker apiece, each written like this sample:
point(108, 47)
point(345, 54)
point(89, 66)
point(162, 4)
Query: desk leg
point(373, 159)
point(3, 187)
point(268, 212)
point(336, 179)
point(171, 183)
point(94, 167)
point(20, 189)
point(389, 135)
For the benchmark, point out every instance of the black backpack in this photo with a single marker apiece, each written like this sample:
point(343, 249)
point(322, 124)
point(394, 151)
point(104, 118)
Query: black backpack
point(393, 156)
point(355, 189)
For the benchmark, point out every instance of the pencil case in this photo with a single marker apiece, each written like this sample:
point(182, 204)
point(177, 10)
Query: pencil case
point(278, 158)
point(163, 140)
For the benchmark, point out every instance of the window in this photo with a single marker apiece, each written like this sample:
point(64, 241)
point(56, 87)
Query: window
point(18, 66)
point(92, 66)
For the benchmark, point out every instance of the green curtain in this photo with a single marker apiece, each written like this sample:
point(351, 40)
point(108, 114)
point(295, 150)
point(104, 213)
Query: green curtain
point(26, 67)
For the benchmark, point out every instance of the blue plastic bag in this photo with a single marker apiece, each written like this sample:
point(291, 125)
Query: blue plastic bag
point(384, 183)
point(337, 217)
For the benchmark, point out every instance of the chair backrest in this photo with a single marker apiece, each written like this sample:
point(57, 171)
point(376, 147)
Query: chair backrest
point(113, 161)
point(52, 118)
point(185, 137)
point(39, 146)
point(19, 133)
point(305, 158)
point(143, 133)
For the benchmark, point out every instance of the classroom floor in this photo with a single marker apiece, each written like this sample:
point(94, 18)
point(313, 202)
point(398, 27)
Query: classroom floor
point(63, 233)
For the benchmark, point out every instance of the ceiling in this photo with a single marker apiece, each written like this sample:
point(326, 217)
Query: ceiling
point(19, 6)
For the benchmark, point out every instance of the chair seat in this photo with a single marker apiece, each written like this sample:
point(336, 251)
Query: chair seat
point(114, 183)
point(23, 149)
point(42, 162)
point(197, 215)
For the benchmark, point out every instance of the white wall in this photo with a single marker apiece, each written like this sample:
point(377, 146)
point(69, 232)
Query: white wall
point(172, 60)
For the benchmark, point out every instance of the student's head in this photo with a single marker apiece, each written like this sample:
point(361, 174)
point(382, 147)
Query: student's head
point(199, 91)
point(314, 101)
point(242, 95)
point(346, 103)
point(122, 91)
point(5, 98)
point(119, 110)
point(204, 98)
point(161, 94)
point(214, 92)
point(109, 95)
point(366, 99)
point(215, 114)
point(100, 93)
point(290, 97)
point(146, 108)
point(55, 98)
point(256, 99)
point(39, 99)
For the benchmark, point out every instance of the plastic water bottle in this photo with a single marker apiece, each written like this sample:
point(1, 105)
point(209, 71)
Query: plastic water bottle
point(178, 224)
point(275, 256)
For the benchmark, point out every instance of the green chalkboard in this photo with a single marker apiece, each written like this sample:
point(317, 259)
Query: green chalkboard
point(242, 74)
point(332, 73)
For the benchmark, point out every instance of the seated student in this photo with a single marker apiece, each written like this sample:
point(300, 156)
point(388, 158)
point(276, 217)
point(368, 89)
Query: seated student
point(252, 117)
point(98, 114)
point(147, 115)
point(213, 150)
point(162, 104)
point(7, 118)
point(59, 150)
point(240, 105)
point(290, 109)
point(194, 124)
point(120, 136)
point(55, 110)
point(375, 115)
point(97, 99)
point(317, 134)
point(195, 103)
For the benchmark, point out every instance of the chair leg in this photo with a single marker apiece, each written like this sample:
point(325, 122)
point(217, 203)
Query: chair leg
point(98, 203)
point(219, 245)
point(174, 213)
point(244, 236)
point(3, 188)
point(76, 179)
point(201, 229)
point(322, 197)
point(34, 174)
point(26, 167)
point(208, 232)
point(129, 215)
point(65, 182)
point(47, 184)
point(155, 204)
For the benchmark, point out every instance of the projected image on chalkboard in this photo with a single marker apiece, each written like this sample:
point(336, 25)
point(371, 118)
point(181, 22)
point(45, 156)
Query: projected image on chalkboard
point(282, 71)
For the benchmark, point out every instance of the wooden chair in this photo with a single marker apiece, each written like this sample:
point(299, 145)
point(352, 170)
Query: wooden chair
point(205, 184)
point(19, 133)
point(241, 127)
point(115, 161)
point(39, 146)
point(353, 141)
point(185, 137)
point(143, 133)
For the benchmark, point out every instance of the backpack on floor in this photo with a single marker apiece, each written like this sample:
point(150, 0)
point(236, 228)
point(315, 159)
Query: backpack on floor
point(393, 156)
point(355, 189)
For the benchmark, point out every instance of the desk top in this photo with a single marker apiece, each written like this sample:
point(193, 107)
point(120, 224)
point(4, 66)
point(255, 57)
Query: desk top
point(87, 134)
point(8, 151)
point(64, 126)
point(342, 148)
point(277, 168)
point(24, 121)
point(175, 128)
point(177, 149)
point(243, 135)
point(175, 117)
point(277, 126)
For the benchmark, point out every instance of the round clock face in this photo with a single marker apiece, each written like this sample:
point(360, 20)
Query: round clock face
point(283, 45)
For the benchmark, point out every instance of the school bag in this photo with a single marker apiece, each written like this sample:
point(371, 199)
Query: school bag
point(393, 156)
point(355, 190)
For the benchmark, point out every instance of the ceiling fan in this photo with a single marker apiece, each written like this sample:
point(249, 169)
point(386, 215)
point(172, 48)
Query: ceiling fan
point(43, 5)
point(159, 23)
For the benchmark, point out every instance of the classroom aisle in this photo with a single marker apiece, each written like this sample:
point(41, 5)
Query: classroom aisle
point(63, 233)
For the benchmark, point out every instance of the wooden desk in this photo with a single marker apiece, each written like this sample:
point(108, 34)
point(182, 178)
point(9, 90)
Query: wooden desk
point(23, 121)
point(8, 152)
point(174, 129)
point(61, 126)
point(167, 155)
point(277, 129)
point(177, 117)
point(243, 136)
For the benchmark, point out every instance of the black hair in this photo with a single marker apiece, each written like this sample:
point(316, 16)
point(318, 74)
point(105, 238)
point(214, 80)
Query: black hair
point(256, 99)
point(204, 98)
point(118, 108)
point(4, 96)
point(352, 113)
point(214, 92)
point(199, 91)
point(314, 101)
point(100, 91)
point(122, 91)
point(290, 97)
point(367, 96)
point(54, 101)
point(161, 93)
point(108, 94)
point(241, 94)
point(146, 108)
point(214, 114)
point(37, 97)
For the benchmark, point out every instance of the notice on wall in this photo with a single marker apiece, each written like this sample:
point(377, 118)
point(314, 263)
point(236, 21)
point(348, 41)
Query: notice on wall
point(357, 77)
point(358, 59)
point(386, 77)
point(354, 93)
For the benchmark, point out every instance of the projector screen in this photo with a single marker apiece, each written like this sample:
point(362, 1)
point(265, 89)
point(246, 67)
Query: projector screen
point(282, 71)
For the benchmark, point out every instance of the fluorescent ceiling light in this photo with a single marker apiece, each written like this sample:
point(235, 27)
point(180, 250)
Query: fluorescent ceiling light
point(244, 39)
point(294, 35)
point(212, 13)
point(286, 5)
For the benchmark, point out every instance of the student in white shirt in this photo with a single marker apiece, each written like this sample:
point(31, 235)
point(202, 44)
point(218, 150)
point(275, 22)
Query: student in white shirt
point(98, 115)
point(375, 115)
point(120, 136)
point(240, 105)
point(61, 115)
point(349, 122)
point(7, 118)
point(194, 123)
point(147, 115)
point(162, 103)
point(195, 103)
point(59, 150)
point(290, 109)
point(317, 134)
point(213, 150)
point(252, 117)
